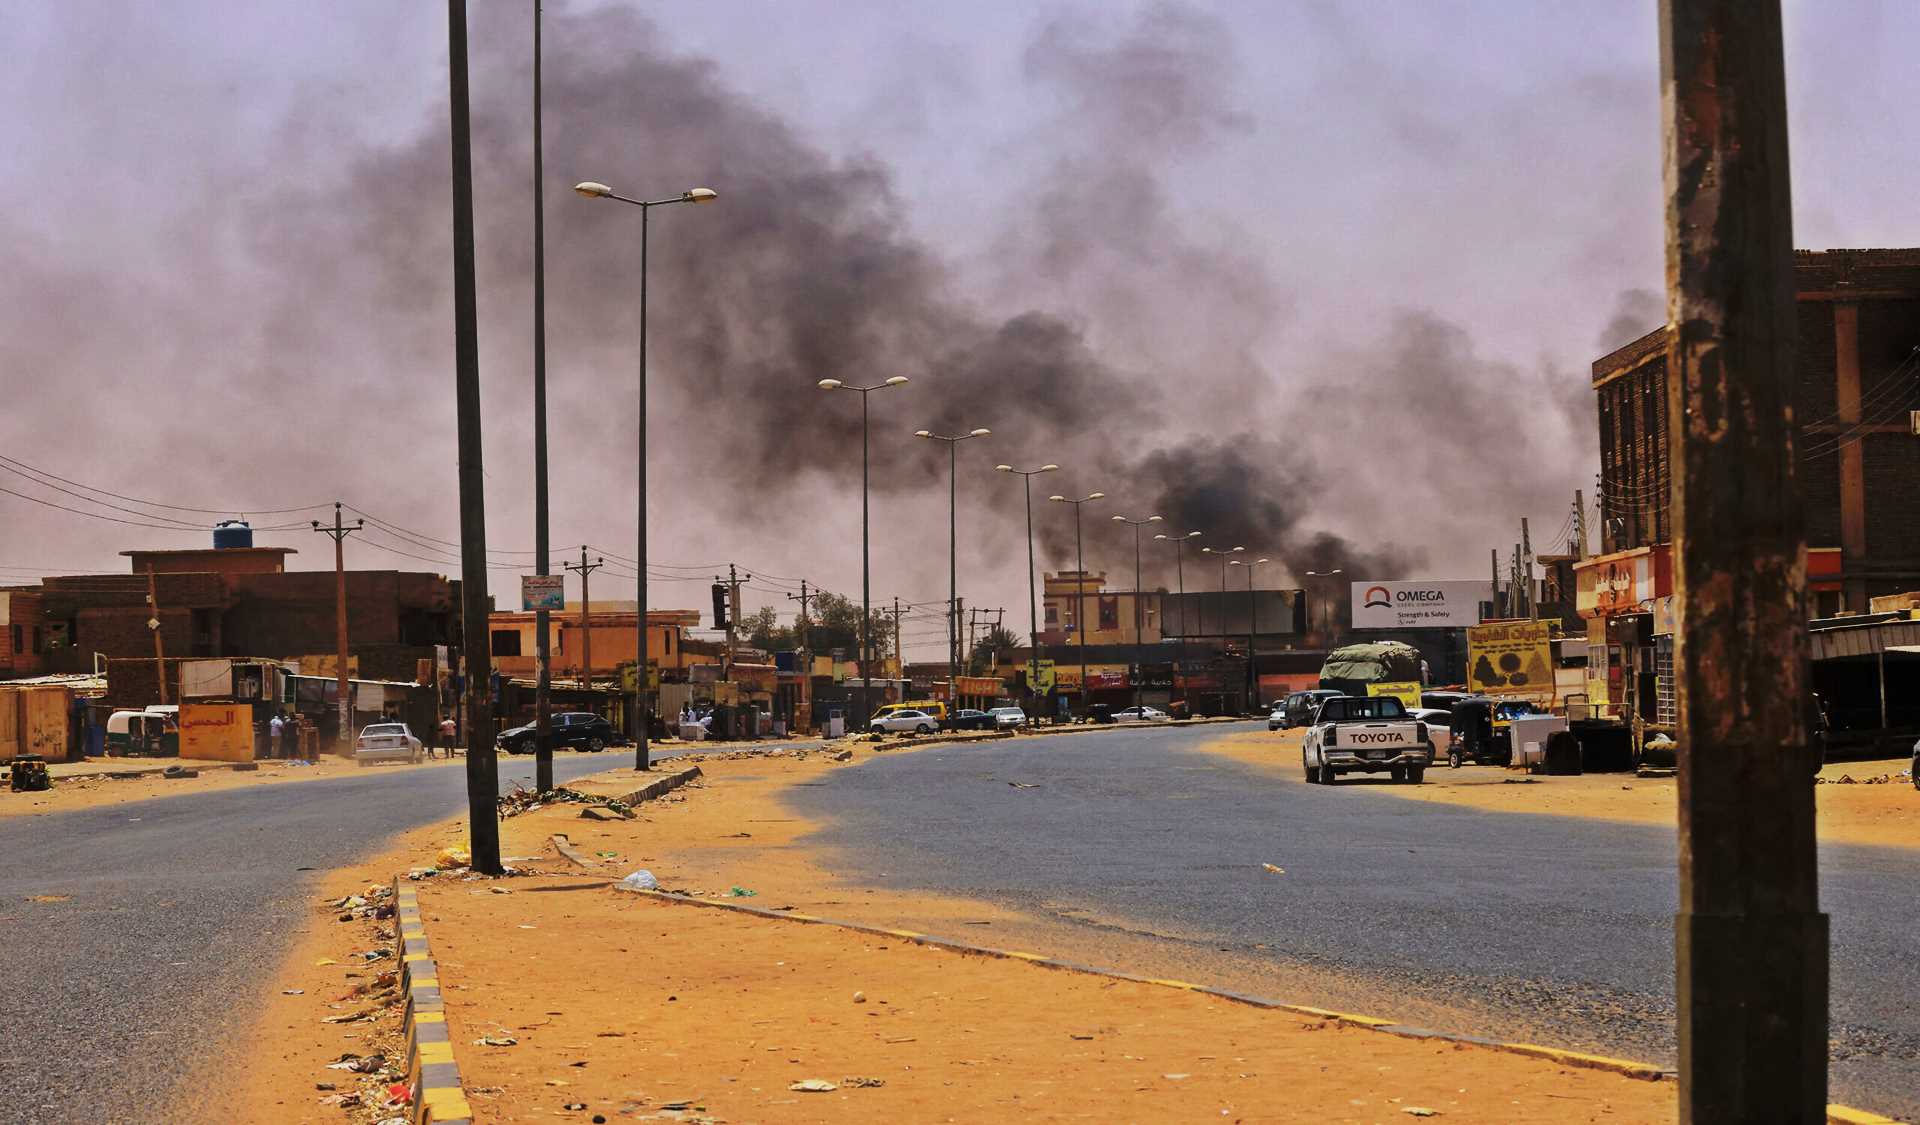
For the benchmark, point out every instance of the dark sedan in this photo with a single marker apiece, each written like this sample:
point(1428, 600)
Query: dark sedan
point(580, 730)
point(968, 719)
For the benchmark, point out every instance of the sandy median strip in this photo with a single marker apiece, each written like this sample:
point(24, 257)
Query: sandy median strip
point(629, 1006)
point(1878, 815)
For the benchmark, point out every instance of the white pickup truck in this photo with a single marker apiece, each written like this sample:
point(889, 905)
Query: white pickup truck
point(1366, 734)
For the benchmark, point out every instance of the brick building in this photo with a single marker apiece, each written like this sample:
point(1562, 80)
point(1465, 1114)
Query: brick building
point(241, 602)
point(1859, 463)
point(23, 640)
point(1859, 381)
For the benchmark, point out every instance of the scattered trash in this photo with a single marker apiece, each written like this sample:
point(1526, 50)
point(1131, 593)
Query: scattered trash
point(500, 890)
point(574, 1105)
point(741, 892)
point(641, 880)
point(1080, 1037)
point(49, 898)
point(814, 1086)
point(344, 1101)
point(496, 1041)
point(348, 1017)
point(1024, 784)
point(1518, 781)
point(1176, 1077)
point(399, 1094)
point(1419, 1111)
point(293, 992)
point(523, 800)
point(179, 771)
point(859, 997)
point(325, 961)
point(452, 857)
point(863, 1083)
point(1274, 870)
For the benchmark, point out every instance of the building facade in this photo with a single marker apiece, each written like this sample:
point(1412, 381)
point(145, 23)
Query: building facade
point(611, 631)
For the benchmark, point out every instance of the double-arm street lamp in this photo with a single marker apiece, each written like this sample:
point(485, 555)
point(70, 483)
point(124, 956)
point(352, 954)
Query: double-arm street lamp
point(1080, 586)
point(866, 570)
point(1223, 555)
point(1329, 616)
point(642, 715)
point(1033, 599)
point(1137, 641)
point(953, 553)
point(1253, 627)
point(1180, 576)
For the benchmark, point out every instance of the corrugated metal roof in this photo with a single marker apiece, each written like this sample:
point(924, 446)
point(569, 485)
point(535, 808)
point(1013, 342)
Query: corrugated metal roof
point(1865, 640)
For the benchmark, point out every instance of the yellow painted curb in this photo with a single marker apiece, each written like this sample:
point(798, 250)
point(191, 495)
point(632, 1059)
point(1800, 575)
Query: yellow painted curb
point(1847, 1115)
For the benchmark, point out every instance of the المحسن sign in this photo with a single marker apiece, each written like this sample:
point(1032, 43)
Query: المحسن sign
point(1437, 604)
point(543, 591)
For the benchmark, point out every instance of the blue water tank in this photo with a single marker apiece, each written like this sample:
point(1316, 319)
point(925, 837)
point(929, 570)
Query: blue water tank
point(232, 533)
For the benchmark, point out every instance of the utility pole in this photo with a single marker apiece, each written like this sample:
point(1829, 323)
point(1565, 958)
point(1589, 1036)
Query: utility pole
point(1579, 526)
point(542, 620)
point(1751, 945)
point(802, 625)
point(338, 533)
point(1498, 610)
point(1526, 564)
point(899, 656)
point(733, 581)
point(953, 667)
point(153, 624)
point(584, 568)
point(483, 775)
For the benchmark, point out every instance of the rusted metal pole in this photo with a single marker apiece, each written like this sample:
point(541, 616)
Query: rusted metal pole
point(1750, 941)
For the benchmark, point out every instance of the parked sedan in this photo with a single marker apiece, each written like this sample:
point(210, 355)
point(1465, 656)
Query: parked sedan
point(969, 719)
point(1141, 715)
point(1006, 718)
point(581, 730)
point(1439, 732)
point(903, 721)
point(386, 742)
point(1277, 718)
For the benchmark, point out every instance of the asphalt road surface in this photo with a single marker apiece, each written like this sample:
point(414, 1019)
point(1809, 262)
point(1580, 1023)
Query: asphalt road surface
point(1560, 926)
point(110, 997)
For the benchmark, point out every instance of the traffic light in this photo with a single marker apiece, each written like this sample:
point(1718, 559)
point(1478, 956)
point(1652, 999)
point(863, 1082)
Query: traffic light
point(721, 619)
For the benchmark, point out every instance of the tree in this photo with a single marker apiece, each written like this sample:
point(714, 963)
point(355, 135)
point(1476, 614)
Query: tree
point(996, 648)
point(763, 630)
point(836, 624)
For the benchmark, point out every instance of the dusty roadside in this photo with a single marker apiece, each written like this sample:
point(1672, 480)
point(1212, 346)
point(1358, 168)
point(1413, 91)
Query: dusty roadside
point(622, 1007)
point(1882, 813)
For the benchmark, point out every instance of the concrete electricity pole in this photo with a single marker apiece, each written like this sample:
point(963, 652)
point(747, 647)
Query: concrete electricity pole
point(1750, 942)
point(483, 774)
point(584, 569)
point(1579, 526)
point(159, 646)
point(338, 533)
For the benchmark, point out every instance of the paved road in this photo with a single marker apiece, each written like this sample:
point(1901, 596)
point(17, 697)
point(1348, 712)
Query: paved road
point(1560, 925)
point(107, 998)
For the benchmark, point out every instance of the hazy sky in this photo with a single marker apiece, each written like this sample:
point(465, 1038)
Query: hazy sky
point(1345, 265)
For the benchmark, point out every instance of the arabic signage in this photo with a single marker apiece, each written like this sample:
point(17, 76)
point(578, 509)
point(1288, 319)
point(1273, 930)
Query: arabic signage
point(1406, 691)
point(221, 732)
point(1510, 658)
point(1624, 582)
point(1451, 603)
point(543, 591)
point(1040, 675)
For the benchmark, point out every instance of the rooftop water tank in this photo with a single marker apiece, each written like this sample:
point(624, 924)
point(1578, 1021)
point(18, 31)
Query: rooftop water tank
point(232, 533)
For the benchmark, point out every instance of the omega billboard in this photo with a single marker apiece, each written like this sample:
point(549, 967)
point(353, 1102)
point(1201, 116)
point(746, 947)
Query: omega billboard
point(1449, 604)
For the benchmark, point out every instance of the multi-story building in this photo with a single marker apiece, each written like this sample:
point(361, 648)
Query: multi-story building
point(608, 638)
point(1859, 465)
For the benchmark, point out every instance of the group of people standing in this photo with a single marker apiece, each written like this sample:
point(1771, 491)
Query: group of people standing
point(284, 734)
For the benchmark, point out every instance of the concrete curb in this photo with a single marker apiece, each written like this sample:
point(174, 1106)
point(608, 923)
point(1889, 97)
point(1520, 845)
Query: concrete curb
point(661, 786)
point(432, 1073)
point(1836, 1114)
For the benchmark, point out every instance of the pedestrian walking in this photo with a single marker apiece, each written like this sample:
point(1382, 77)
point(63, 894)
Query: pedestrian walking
point(275, 729)
point(448, 730)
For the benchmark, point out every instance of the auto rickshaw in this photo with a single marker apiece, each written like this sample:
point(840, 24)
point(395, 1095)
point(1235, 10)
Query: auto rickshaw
point(1474, 736)
point(152, 733)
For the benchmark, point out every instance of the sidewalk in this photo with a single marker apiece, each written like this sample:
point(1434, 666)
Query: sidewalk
point(601, 1002)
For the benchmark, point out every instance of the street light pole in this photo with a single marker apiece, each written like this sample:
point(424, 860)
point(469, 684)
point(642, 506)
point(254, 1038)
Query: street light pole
point(542, 620)
point(1137, 641)
point(953, 553)
point(1328, 618)
point(1033, 598)
point(1224, 554)
point(866, 569)
point(1253, 630)
point(641, 684)
point(1080, 588)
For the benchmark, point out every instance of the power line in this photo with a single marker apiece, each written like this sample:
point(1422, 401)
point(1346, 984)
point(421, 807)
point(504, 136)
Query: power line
point(158, 504)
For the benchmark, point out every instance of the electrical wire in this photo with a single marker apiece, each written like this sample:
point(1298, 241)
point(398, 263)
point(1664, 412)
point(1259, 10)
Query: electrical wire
point(158, 504)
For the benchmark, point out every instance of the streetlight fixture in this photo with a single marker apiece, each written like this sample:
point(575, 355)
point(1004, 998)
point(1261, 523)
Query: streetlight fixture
point(1224, 554)
point(1033, 598)
point(953, 553)
point(866, 569)
point(1253, 628)
point(1137, 525)
point(1080, 587)
point(1320, 574)
point(642, 720)
point(1179, 572)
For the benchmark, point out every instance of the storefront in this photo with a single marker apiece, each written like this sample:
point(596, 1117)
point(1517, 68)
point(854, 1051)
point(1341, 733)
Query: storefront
point(1626, 599)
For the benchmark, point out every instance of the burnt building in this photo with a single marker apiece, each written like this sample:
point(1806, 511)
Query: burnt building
point(1855, 398)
